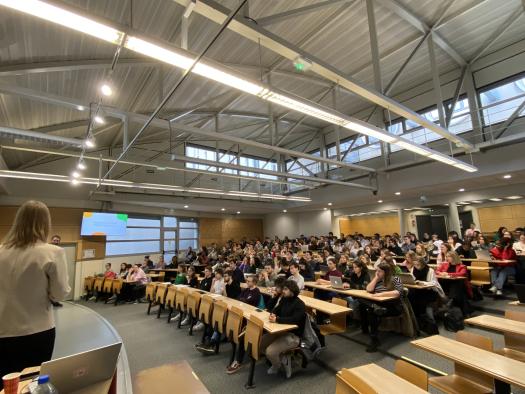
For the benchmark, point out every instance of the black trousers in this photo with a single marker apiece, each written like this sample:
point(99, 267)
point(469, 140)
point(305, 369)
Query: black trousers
point(17, 353)
point(370, 317)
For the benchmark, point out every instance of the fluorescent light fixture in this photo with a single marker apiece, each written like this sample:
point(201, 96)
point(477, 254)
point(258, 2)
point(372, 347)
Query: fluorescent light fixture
point(406, 209)
point(99, 119)
point(465, 167)
point(284, 211)
point(325, 208)
point(75, 174)
point(81, 166)
point(413, 148)
point(65, 18)
point(238, 212)
point(496, 199)
point(507, 176)
point(185, 206)
point(477, 201)
point(223, 209)
point(106, 90)
point(397, 193)
point(142, 186)
point(219, 74)
point(461, 190)
point(329, 204)
point(157, 52)
point(513, 197)
point(89, 143)
point(371, 132)
point(74, 182)
point(80, 108)
point(379, 201)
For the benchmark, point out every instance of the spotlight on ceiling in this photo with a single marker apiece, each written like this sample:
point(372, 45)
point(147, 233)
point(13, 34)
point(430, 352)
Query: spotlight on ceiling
point(106, 90)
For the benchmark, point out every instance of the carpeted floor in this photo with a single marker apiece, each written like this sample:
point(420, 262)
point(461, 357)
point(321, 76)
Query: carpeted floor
point(151, 342)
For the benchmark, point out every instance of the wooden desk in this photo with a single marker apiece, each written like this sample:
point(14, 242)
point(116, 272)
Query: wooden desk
point(380, 380)
point(451, 277)
point(350, 292)
point(272, 328)
point(419, 286)
point(492, 364)
point(158, 380)
point(498, 324)
point(320, 305)
point(469, 267)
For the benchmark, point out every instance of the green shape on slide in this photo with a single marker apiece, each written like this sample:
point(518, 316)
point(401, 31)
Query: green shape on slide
point(122, 216)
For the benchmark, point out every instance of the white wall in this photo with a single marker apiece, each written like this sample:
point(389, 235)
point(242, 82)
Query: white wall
point(295, 224)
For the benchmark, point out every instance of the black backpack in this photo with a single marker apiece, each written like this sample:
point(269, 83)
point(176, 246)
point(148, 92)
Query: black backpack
point(453, 320)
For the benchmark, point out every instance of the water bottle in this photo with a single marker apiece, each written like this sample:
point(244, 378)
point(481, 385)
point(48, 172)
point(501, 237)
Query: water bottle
point(45, 386)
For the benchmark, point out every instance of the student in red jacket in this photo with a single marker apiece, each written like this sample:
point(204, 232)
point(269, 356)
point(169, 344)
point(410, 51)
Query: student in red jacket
point(458, 291)
point(498, 275)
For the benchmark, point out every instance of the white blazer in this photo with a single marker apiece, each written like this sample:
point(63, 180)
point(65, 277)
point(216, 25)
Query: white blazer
point(29, 279)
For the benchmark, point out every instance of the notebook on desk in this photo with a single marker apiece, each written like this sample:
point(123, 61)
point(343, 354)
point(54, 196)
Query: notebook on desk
point(407, 278)
point(81, 370)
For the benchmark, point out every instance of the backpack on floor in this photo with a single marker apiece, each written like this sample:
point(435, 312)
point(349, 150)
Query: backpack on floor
point(427, 325)
point(453, 319)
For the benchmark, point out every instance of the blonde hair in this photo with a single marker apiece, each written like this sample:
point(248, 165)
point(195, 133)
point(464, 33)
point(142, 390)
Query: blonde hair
point(32, 224)
point(455, 257)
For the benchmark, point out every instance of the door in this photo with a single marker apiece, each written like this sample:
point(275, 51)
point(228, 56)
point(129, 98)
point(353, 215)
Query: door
point(424, 225)
point(439, 226)
point(465, 218)
point(71, 257)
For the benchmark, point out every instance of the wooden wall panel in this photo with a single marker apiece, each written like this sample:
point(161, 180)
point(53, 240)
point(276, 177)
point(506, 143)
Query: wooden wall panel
point(65, 222)
point(510, 216)
point(221, 230)
point(383, 224)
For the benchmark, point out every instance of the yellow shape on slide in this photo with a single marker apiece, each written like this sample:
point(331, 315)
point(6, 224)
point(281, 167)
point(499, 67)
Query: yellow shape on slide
point(88, 214)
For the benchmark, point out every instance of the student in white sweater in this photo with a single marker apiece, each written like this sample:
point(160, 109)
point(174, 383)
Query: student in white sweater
point(32, 275)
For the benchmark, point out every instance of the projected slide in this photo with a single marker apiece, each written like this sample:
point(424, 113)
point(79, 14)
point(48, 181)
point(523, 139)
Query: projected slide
point(99, 223)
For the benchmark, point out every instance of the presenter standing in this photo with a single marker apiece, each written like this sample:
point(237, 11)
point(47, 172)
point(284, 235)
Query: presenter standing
point(32, 275)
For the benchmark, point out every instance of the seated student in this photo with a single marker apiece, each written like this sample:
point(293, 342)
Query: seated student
point(180, 279)
point(498, 275)
point(384, 283)
point(421, 252)
point(343, 263)
point(519, 248)
point(358, 279)
point(267, 276)
point(422, 299)
point(191, 278)
point(217, 285)
point(325, 280)
point(394, 248)
point(284, 269)
point(270, 305)
point(232, 287)
point(296, 276)
point(108, 274)
point(382, 254)
point(236, 271)
point(465, 250)
point(124, 269)
point(139, 279)
point(444, 248)
point(290, 310)
point(161, 264)
point(305, 270)
point(205, 284)
point(147, 264)
point(410, 258)
point(251, 294)
point(407, 244)
point(458, 291)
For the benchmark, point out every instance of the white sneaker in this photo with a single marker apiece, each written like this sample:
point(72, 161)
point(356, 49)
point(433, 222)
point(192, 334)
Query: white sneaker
point(92, 298)
point(493, 289)
point(198, 327)
point(185, 321)
point(499, 292)
point(273, 370)
point(175, 318)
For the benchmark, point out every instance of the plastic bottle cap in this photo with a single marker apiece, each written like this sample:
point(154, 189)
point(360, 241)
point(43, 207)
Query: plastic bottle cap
point(43, 379)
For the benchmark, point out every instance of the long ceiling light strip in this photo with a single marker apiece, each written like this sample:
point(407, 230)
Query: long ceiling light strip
point(146, 186)
point(219, 74)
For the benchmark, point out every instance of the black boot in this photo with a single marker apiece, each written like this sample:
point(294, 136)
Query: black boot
point(374, 343)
